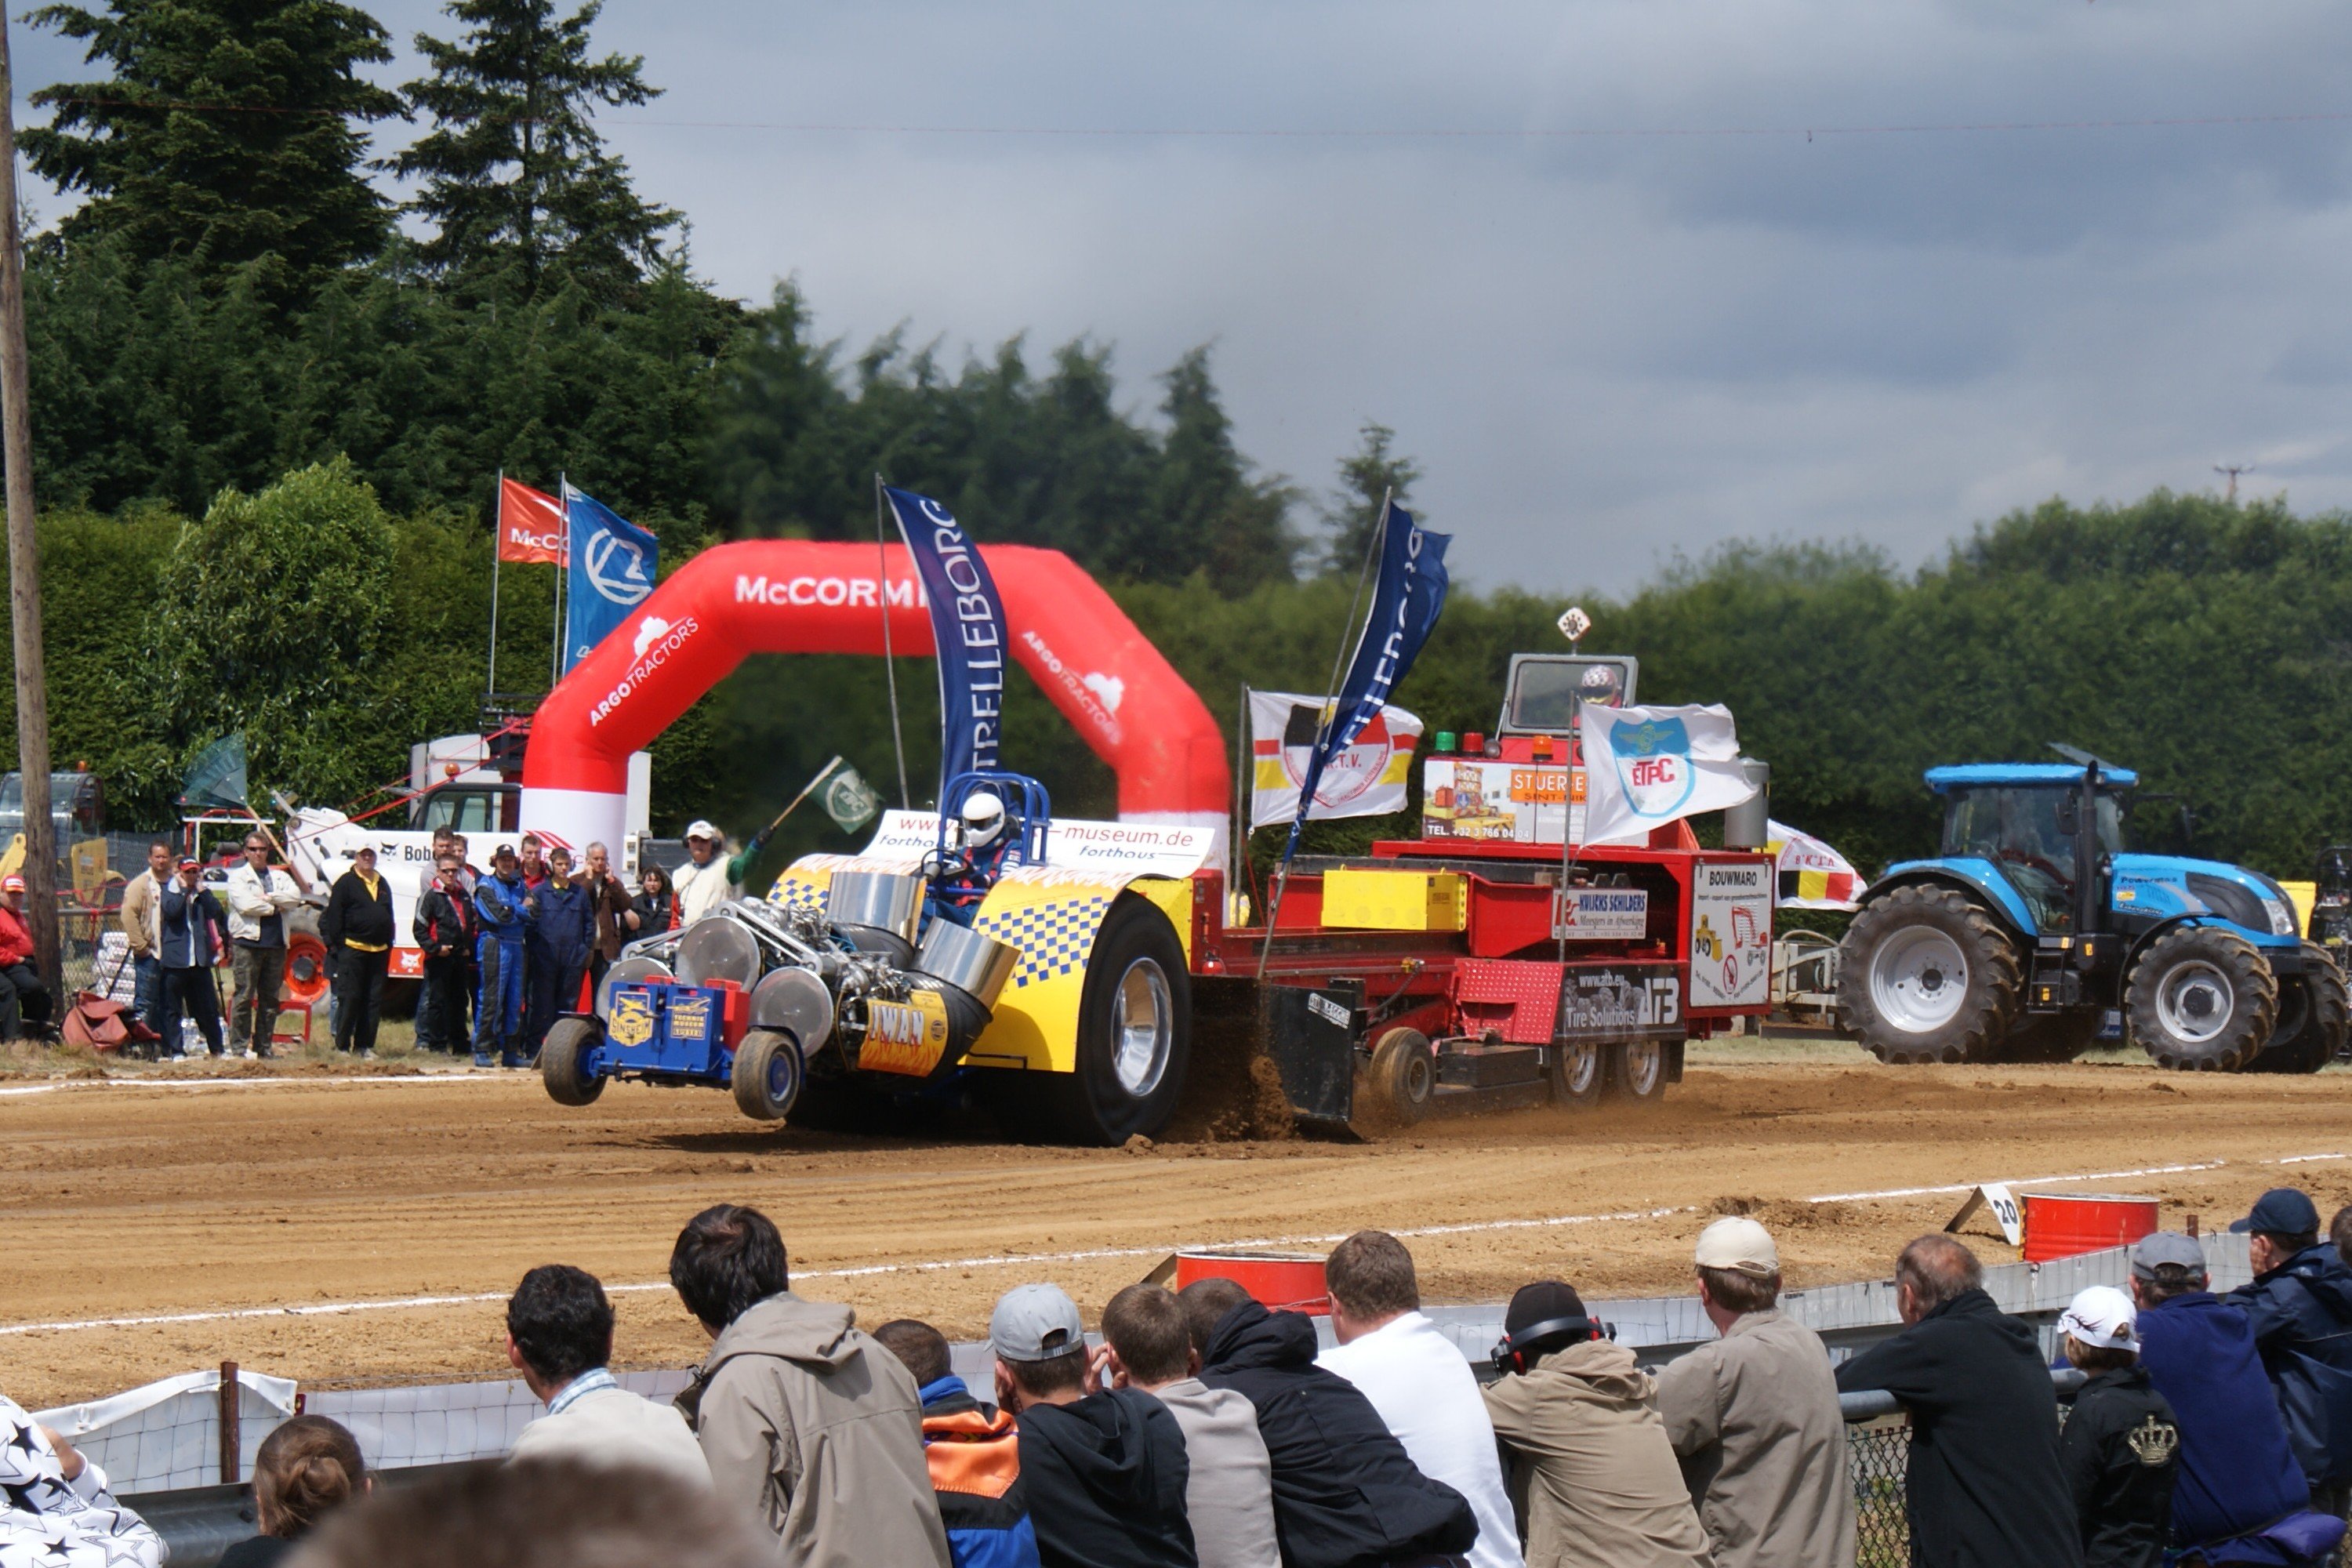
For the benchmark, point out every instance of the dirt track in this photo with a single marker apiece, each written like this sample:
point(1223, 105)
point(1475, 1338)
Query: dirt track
point(131, 1201)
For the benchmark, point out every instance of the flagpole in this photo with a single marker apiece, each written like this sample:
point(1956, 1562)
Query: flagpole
point(1330, 717)
point(890, 667)
point(1245, 806)
point(563, 570)
point(498, 553)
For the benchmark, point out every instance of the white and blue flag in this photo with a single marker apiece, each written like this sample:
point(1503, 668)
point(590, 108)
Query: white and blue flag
point(612, 572)
point(1644, 767)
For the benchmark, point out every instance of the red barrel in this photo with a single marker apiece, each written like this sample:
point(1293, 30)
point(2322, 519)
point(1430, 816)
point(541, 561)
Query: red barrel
point(2063, 1224)
point(1280, 1281)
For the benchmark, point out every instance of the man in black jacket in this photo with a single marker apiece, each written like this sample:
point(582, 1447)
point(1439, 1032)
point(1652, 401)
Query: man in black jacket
point(2300, 1309)
point(444, 929)
point(1346, 1495)
point(1985, 1488)
point(357, 928)
point(1103, 1470)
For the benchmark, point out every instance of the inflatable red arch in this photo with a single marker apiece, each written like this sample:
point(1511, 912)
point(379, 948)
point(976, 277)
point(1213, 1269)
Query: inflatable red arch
point(804, 596)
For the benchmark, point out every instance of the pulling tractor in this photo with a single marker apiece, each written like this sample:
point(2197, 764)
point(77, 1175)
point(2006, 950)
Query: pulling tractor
point(2035, 932)
point(1490, 962)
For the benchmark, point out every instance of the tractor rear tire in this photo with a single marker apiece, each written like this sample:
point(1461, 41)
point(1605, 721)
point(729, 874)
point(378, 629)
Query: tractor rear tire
point(2315, 1017)
point(559, 1058)
point(2201, 999)
point(1578, 1073)
point(768, 1075)
point(2051, 1037)
point(1403, 1083)
point(1135, 1039)
point(1637, 1072)
point(1924, 975)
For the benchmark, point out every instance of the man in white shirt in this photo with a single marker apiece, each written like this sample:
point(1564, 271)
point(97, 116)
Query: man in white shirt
point(258, 896)
point(1228, 1489)
point(558, 1336)
point(708, 880)
point(1419, 1382)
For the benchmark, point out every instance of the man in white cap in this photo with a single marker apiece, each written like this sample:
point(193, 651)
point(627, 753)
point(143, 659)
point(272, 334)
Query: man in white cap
point(2120, 1447)
point(709, 876)
point(1754, 1416)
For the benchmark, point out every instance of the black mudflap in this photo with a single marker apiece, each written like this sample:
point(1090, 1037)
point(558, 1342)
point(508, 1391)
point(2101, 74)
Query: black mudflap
point(1310, 1036)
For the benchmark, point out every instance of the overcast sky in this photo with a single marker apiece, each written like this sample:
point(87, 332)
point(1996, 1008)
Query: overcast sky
point(1641, 311)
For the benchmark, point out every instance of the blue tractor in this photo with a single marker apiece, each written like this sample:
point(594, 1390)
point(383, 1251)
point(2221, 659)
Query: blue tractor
point(2035, 931)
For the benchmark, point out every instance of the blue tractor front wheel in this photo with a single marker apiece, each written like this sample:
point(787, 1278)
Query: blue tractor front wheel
point(2201, 999)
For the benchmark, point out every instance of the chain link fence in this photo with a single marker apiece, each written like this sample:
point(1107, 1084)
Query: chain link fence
point(1877, 1461)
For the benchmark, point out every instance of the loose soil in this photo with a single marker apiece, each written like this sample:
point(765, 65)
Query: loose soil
point(125, 1202)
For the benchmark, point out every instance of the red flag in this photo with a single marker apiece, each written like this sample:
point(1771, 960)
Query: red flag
point(531, 524)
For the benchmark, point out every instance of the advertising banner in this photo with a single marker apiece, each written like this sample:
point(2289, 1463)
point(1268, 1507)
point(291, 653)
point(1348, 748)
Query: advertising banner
point(1405, 606)
point(967, 624)
point(611, 573)
point(1812, 876)
point(1599, 914)
point(531, 524)
point(1527, 803)
point(1620, 1002)
point(1124, 849)
point(1648, 766)
point(1365, 778)
point(1732, 934)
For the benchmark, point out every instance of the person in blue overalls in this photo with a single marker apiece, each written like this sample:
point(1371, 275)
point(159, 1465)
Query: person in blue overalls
point(504, 906)
point(968, 872)
point(564, 938)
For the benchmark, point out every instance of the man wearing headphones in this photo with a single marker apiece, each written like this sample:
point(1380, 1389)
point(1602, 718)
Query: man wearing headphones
point(1581, 1426)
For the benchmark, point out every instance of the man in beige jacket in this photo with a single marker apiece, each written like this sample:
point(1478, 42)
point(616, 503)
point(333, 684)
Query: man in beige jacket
point(1754, 1419)
point(805, 1421)
point(1590, 1455)
point(142, 928)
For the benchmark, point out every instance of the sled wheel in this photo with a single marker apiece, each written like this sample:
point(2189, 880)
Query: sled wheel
point(2201, 999)
point(1924, 975)
point(307, 974)
point(767, 1074)
point(1135, 1039)
point(1637, 1071)
point(1579, 1072)
point(2315, 1017)
point(1403, 1080)
point(2051, 1037)
point(562, 1062)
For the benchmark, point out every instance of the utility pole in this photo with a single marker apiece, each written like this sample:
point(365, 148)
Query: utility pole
point(2233, 470)
point(25, 558)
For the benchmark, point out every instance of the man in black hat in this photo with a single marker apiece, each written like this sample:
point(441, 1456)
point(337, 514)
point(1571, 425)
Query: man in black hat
point(2300, 1309)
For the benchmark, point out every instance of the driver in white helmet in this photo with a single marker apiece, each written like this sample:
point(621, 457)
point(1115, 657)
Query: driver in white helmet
point(985, 842)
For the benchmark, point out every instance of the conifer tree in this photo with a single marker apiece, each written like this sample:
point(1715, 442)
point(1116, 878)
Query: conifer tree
point(513, 172)
point(1373, 471)
point(230, 132)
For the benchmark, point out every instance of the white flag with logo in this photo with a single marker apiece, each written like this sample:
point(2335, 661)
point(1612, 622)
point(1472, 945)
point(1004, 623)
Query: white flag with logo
point(1644, 767)
point(1366, 779)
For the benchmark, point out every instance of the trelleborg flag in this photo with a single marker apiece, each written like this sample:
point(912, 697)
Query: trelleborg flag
point(1405, 606)
point(968, 624)
point(1812, 876)
point(1365, 778)
point(531, 524)
point(612, 572)
point(1644, 767)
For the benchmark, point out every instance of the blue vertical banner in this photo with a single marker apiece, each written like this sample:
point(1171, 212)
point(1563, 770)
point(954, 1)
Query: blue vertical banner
point(968, 624)
point(612, 570)
point(1405, 606)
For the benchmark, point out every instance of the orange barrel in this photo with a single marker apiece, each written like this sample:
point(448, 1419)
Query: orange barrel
point(1280, 1281)
point(2062, 1225)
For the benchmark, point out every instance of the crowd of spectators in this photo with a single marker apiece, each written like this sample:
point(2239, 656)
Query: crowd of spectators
point(1201, 1429)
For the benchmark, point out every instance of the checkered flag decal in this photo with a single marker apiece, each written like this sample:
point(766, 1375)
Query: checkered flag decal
point(1053, 939)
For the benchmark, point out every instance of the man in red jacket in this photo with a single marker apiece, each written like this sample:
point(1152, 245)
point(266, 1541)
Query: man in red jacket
point(24, 1000)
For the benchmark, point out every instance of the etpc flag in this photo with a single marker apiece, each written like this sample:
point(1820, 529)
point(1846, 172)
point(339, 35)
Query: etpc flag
point(531, 524)
point(1812, 875)
point(1644, 767)
point(1364, 778)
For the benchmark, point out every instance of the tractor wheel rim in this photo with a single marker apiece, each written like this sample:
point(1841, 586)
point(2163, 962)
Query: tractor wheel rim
point(1581, 1066)
point(1919, 980)
point(1644, 1059)
point(2196, 1002)
point(780, 1075)
point(1142, 1027)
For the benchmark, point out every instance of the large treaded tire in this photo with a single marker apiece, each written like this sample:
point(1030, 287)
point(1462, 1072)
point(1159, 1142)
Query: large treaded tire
point(559, 1062)
point(1990, 981)
point(2315, 1017)
point(2201, 999)
point(2048, 1037)
point(1136, 954)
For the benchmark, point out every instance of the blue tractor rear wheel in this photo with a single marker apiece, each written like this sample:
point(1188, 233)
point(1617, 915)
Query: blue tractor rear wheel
point(1924, 975)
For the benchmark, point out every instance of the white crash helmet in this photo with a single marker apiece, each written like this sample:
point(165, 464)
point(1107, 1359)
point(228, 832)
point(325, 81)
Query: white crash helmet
point(983, 818)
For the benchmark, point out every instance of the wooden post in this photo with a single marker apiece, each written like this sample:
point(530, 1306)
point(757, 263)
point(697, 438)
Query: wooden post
point(25, 559)
point(232, 1434)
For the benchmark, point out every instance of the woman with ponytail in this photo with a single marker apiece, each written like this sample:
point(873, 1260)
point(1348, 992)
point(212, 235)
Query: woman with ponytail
point(307, 1467)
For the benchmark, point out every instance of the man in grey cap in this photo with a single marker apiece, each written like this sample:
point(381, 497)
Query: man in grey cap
point(1104, 1469)
point(1754, 1416)
point(2299, 1306)
point(2236, 1475)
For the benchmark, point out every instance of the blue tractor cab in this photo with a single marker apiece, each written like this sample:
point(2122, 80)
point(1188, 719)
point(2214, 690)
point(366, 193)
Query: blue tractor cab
point(2037, 928)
